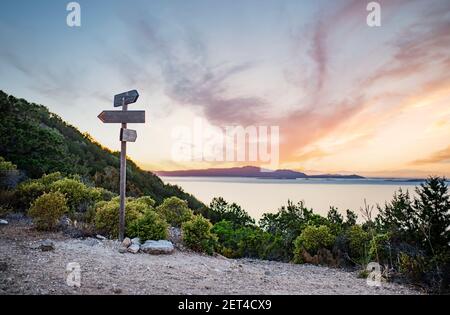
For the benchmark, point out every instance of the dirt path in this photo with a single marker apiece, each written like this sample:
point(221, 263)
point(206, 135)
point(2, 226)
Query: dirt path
point(27, 270)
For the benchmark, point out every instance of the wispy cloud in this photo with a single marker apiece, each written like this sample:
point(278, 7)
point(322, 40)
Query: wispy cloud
point(442, 156)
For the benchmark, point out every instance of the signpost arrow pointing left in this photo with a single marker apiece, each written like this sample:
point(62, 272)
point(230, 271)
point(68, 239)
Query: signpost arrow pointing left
point(123, 117)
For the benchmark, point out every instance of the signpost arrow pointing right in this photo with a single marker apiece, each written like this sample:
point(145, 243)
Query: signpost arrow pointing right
point(126, 98)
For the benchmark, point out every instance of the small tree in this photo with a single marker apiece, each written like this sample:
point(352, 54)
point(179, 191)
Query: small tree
point(197, 235)
point(175, 211)
point(47, 210)
point(222, 210)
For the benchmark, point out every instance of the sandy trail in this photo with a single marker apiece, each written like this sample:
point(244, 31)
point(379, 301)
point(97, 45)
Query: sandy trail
point(27, 270)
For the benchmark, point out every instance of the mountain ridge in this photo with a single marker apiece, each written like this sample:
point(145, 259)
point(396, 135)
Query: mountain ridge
point(252, 172)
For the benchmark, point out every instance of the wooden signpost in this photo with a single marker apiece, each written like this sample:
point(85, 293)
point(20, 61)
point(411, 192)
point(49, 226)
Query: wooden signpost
point(124, 117)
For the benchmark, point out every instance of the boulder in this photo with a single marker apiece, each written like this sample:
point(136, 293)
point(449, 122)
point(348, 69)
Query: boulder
point(3, 222)
point(157, 247)
point(134, 248)
point(46, 246)
point(126, 242)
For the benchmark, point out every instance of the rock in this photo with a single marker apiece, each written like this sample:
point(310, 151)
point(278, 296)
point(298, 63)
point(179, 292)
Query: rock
point(65, 222)
point(100, 237)
point(157, 247)
point(3, 222)
point(3, 266)
point(136, 240)
point(175, 235)
point(46, 246)
point(122, 250)
point(267, 273)
point(116, 290)
point(126, 242)
point(134, 248)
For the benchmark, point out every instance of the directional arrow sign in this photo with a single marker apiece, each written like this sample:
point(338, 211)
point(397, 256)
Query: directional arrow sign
point(125, 98)
point(116, 116)
point(128, 135)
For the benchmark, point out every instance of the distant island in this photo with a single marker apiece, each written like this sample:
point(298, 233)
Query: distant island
point(252, 172)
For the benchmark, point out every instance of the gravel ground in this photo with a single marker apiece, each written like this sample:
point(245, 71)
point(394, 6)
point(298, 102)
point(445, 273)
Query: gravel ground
point(25, 269)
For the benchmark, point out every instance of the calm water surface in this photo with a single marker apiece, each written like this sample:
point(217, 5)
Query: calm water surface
point(258, 196)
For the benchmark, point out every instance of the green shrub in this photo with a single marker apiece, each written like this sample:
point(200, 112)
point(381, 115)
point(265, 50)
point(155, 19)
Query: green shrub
point(197, 235)
point(220, 210)
point(412, 267)
point(49, 179)
point(248, 241)
point(7, 198)
point(149, 227)
point(99, 194)
point(312, 239)
point(107, 215)
point(78, 194)
point(47, 210)
point(175, 211)
point(358, 243)
point(147, 200)
point(6, 165)
point(351, 218)
point(380, 248)
point(287, 224)
point(27, 192)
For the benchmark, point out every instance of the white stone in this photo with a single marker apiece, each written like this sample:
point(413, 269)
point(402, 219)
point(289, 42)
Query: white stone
point(3, 222)
point(134, 248)
point(157, 247)
point(136, 240)
point(126, 242)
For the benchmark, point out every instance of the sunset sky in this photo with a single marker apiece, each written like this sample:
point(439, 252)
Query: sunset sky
point(347, 97)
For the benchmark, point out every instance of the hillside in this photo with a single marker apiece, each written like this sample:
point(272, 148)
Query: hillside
point(40, 142)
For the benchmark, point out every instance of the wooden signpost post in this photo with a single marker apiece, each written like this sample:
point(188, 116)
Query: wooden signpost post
point(123, 117)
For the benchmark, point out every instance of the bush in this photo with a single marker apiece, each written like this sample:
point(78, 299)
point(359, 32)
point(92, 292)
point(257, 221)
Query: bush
point(287, 224)
point(6, 165)
point(222, 210)
point(250, 241)
point(147, 200)
point(149, 227)
point(49, 179)
point(107, 215)
point(99, 193)
point(175, 211)
point(312, 239)
point(27, 192)
point(197, 235)
point(358, 243)
point(380, 248)
point(78, 195)
point(47, 210)
point(412, 267)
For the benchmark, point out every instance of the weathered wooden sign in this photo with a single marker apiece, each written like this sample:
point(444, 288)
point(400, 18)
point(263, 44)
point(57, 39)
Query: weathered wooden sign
point(128, 135)
point(123, 117)
point(126, 98)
